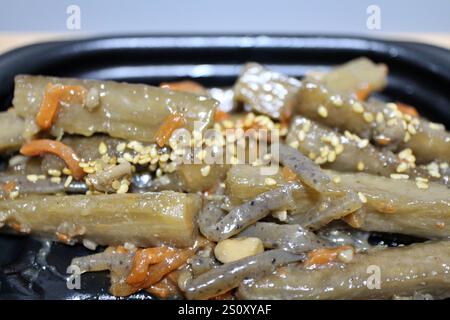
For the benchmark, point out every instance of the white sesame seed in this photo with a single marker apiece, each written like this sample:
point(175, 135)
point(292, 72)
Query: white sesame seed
point(13, 194)
point(54, 172)
point(398, 176)
point(301, 135)
point(421, 184)
point(411, 129)
point(294, 144)
point(68, 181)
point(360, 166)
point(322, 111)
point(123, 188)
point(336, 100)
point(362, 197)
point(270, 181)
point(380, 117)
point(280, 215)
point(357, 107)
point(205, 170)
point(102, 148)
point(55, 179)
point(402, 167)
point(336, 179)
point(121, 147)
point(368, 117)
point(32, 177)
point(346, 256)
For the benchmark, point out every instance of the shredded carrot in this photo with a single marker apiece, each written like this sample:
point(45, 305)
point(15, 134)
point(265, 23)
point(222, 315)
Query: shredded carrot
point(170, 124)
point(172, 262)
point(324, 256)
point(38, 147)
point(363, 92)
point(53, 95)
point(121, 249)
point(220, 115)
point(185, 86)
point(288, 174)
point(9, 186)
point(141, 261)
point(407, 109)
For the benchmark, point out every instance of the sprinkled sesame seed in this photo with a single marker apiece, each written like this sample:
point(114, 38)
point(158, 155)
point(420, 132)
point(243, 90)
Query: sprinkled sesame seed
point(336, 179)
point(339, 149)
point(123, 188)
point(205, 170)
point(32, 177)
point(402, 167)
point(411, 129)
point(68, 181)
point(398, 176)
point(54, 172)
point(346, 256)
point(13, 194)
point(337, 101)
point(363, 143)
point(301, 135)
point(421, 184)
point(280, 215)
point(270, 181)
point(66, 171)
point(368, 117)
point(331, 156)
point(380, 117)
point(55, 179)
point(362, 197)
point(322, 111)
point(294, 144)
point(102, 148)
point(357, 107)
point(121, 147)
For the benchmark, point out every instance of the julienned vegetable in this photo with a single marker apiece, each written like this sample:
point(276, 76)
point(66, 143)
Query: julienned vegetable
point(278, 199)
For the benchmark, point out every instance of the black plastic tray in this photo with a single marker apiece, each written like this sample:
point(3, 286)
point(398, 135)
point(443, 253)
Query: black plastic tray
point(419, 75)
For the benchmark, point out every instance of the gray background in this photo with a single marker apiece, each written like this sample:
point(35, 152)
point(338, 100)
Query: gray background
point(226, 16)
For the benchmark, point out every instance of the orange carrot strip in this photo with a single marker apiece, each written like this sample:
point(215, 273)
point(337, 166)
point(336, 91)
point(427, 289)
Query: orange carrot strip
point(141, 261)
point(53, 95)
point(324, 256)
point(38, 147)
point(172, 262)
point(170, 124)
point(9, 186)
point(363, 92)
point(220, 115)
point(407, 109)
point(185, 86)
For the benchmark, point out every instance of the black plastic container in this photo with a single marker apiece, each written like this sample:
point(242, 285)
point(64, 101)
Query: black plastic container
point(419, 75)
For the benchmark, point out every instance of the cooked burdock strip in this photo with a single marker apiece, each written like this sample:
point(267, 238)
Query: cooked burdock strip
point(400, 206)
point(244, 215)
point(380, 274)
point(341, 152)
point(12, 128)
point(230, 275)
point(266, 91)
point(128, 111)
point(149, 219)
point(293, 238)
point(357, 77)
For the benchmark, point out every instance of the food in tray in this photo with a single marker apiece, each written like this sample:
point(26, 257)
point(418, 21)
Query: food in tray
point(185, 195)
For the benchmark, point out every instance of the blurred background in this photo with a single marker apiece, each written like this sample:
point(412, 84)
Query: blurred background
point(24, 22)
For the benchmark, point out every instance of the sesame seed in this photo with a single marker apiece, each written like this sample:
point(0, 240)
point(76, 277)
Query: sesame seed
point(322, 111)
point(363, 143)
point(68, 181)
point(357, 107)
point(380, 117)
point(55, 179)
point(411, 129)
point(407, 137)
point(392, 122)
point(205, 170)
point(398, 176)
point(280, 215)
point(54, 172)
point(102, 148)
point(346, 256)
point(337, 101)
point(115, 184)
point(331, 156)
point(360, 166)
point(165, 157)
point(312, 155)
point(66, 171)
point(32, 177)
point(336, 179)
point(270, 181)
point(436, 126)
point(339, 149)
point(121, 147)
point(402, 167)
point(320, 160)
point(368, 117)
point(88, 170)
point(123, 188)
point(362, 197)
point(13, 194)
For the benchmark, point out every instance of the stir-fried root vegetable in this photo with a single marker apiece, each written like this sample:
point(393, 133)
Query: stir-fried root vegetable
point(244, 215)
point(329, 209)
point(402, 272)
point(53, 96)
point(39, 147)
point(149, 219)
point(230, 275)
point(399, 206)
point(357, 77)
point(102, 181)
point(308, 172)
point(341, 152)
point(292, 237)
point(12, 127)
point(267, 92)
point(128, 111)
